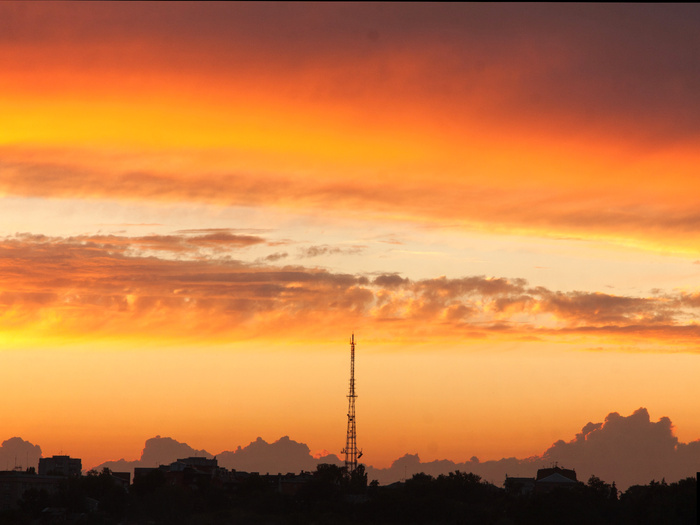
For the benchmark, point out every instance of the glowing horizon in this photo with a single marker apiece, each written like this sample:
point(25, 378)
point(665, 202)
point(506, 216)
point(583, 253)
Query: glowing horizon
point(242, 186)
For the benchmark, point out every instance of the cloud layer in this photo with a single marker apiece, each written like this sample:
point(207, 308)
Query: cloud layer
point(194, 285)
point(630, 207)
point(563, 121)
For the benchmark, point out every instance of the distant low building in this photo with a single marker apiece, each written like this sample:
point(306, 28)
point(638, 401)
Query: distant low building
point(185, 471)
point(197, 463)
point(65, 466)
point(123, 479)
point(139, 472)
point(291, 484)
point(544, 473)
point(198, 471)
point(14, 483)
point(547, 479)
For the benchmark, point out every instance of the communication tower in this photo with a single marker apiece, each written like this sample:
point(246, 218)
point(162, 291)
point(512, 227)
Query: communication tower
point(350, 450)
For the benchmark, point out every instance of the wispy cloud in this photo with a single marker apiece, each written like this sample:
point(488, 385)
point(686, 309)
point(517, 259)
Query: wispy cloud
point(274, 257)
point(324, 249)
point(623, 216)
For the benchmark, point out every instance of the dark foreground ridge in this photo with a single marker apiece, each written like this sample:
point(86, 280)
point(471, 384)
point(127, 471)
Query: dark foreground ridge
point(196, 491)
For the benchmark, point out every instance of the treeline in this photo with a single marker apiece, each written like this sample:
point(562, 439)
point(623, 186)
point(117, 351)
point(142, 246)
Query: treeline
point(330, 496)
point(462, 498)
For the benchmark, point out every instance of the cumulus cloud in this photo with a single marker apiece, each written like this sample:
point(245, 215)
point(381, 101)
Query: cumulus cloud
point(625, 449)
point(282, 456)
point(156, 451)
point(160, 450)
point(628, 450)
point(16, 452)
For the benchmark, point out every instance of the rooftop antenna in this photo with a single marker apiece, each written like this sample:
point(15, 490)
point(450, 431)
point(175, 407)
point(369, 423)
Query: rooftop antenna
point(350, 450)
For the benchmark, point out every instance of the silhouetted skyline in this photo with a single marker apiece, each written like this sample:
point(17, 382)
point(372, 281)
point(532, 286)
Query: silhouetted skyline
point(627, 450)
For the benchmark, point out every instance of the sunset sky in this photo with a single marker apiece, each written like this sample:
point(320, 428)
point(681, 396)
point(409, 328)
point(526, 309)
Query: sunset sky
point(200, 202)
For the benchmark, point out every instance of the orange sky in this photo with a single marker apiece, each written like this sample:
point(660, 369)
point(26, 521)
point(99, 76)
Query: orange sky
point(238, 185)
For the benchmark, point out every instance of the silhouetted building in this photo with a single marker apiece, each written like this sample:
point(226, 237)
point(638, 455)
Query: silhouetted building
point(60, 466)
point(547, 473)
point(14, 483)
point(186, 472)
point(123, 479)
point(547, 480)
point(291, 484)
point(143, 471)
point(200, 464)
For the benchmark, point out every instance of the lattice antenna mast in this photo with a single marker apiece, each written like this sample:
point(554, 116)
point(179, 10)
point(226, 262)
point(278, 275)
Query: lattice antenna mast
point(350, 450)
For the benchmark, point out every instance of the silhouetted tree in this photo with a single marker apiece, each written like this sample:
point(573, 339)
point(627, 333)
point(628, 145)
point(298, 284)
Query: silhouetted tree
point(328, 483)
point(613, 491)
point(331, 474)
point(33, 501)
point(358, 480)
point(154, 498)
point(661, 503)
point(102, 486)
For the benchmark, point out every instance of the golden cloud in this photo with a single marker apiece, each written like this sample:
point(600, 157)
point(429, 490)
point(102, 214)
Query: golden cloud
point(105, 287)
